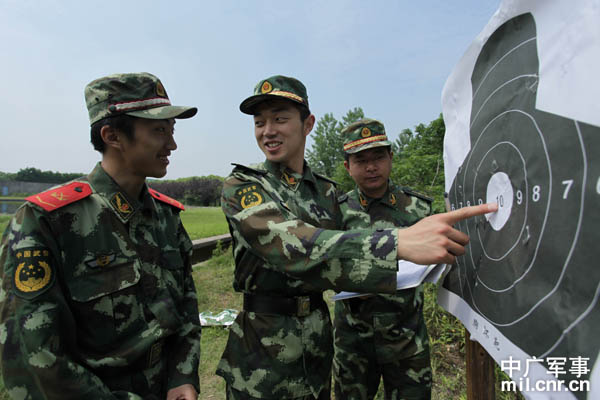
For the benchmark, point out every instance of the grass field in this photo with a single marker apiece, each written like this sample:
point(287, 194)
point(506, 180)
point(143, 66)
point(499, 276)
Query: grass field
point(200, 222)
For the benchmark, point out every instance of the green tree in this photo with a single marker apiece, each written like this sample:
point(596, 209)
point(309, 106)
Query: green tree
point(345, 183)
point(31, 174)
point(419, 164)
point(326, 153)
point(401, 143)
point(7, 176)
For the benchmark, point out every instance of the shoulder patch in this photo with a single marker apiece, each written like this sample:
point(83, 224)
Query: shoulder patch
point(421, 196)
point(248, 169)
point(34, 273)
point(165, 199)
point(250, 196)
point(325, 178)
point(61, 196)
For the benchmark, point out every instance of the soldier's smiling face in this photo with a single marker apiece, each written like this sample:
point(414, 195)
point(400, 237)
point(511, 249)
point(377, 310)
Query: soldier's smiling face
point(371, 169)
point(148, 153)
point(280, 133)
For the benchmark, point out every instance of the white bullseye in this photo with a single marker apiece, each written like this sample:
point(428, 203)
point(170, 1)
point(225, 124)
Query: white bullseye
point(499, 190)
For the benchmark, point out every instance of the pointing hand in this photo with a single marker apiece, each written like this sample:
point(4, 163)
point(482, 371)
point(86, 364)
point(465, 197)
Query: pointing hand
point(433, 240)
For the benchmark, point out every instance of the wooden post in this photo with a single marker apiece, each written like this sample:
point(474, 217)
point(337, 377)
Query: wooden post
point(480, 371)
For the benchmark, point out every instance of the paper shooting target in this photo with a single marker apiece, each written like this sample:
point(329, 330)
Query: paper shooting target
point(532, 269)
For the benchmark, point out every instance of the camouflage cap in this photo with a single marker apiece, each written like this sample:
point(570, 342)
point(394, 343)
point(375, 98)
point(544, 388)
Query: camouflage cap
point(278, 85)
point(140, 95)
point(364, 134)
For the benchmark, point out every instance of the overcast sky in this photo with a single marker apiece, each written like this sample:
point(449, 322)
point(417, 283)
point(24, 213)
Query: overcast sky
point(391, 58)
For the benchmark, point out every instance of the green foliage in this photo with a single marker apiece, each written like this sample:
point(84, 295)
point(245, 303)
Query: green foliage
point(327, 151)
point(7, 176)
point(35, 175)
point(419, 163)
point(194, 191)
point(343, 179)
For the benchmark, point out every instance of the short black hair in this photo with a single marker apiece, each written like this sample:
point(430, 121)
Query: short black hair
point(124, 123)
point(302, 109)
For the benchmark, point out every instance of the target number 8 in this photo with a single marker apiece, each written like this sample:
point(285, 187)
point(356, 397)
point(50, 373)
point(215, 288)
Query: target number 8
point(536, 193)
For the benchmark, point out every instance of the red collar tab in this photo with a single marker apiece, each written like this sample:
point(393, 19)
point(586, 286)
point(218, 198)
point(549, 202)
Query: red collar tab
point(165, 199)
point(56, 198)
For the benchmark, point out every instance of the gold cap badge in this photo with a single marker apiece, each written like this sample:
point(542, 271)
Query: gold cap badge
point(160, 90)
point(266, 87)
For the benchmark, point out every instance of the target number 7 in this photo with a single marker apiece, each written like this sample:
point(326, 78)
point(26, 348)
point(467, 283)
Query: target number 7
point(568, 183)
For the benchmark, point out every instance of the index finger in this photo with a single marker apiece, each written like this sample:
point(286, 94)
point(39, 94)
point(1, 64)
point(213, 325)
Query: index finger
point(466, 212)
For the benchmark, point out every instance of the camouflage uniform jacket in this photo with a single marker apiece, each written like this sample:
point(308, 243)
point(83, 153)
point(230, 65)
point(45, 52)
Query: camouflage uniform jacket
point(399, 207)
point(282, 224)
point(97, 299)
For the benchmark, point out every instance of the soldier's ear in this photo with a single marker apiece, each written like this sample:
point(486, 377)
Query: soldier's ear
point(347, 166)
point(110, 136)
point(309, 122)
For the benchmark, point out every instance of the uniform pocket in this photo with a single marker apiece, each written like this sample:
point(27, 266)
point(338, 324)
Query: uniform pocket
point(105, 303)
point(101, 281)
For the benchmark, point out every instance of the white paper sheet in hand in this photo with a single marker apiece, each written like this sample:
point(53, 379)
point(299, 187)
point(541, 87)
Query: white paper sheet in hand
point(409, 275)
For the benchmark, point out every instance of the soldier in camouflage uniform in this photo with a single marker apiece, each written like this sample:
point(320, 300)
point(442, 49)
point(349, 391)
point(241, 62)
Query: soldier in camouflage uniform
point(97, 299)
point(379, 335)
point(282, 217)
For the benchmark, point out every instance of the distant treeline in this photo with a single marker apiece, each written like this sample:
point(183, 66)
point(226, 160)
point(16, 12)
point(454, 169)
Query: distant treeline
point(194, 191)
point(37, 175)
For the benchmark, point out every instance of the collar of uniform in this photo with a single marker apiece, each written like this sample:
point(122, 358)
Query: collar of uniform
point(288, 177)
point(390, 197)
point(123, 206)
point(149, 203)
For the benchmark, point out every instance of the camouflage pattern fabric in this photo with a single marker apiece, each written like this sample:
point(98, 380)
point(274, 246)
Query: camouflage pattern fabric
point(97, 299)
point(284, 244)
point(364, 134)
point(382, 336)
point(137, 94)
point(274, 87)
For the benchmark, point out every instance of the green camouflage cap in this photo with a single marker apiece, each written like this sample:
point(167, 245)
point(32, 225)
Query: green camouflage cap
point(278, 85)
point(140, 95)
point(364, 134)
